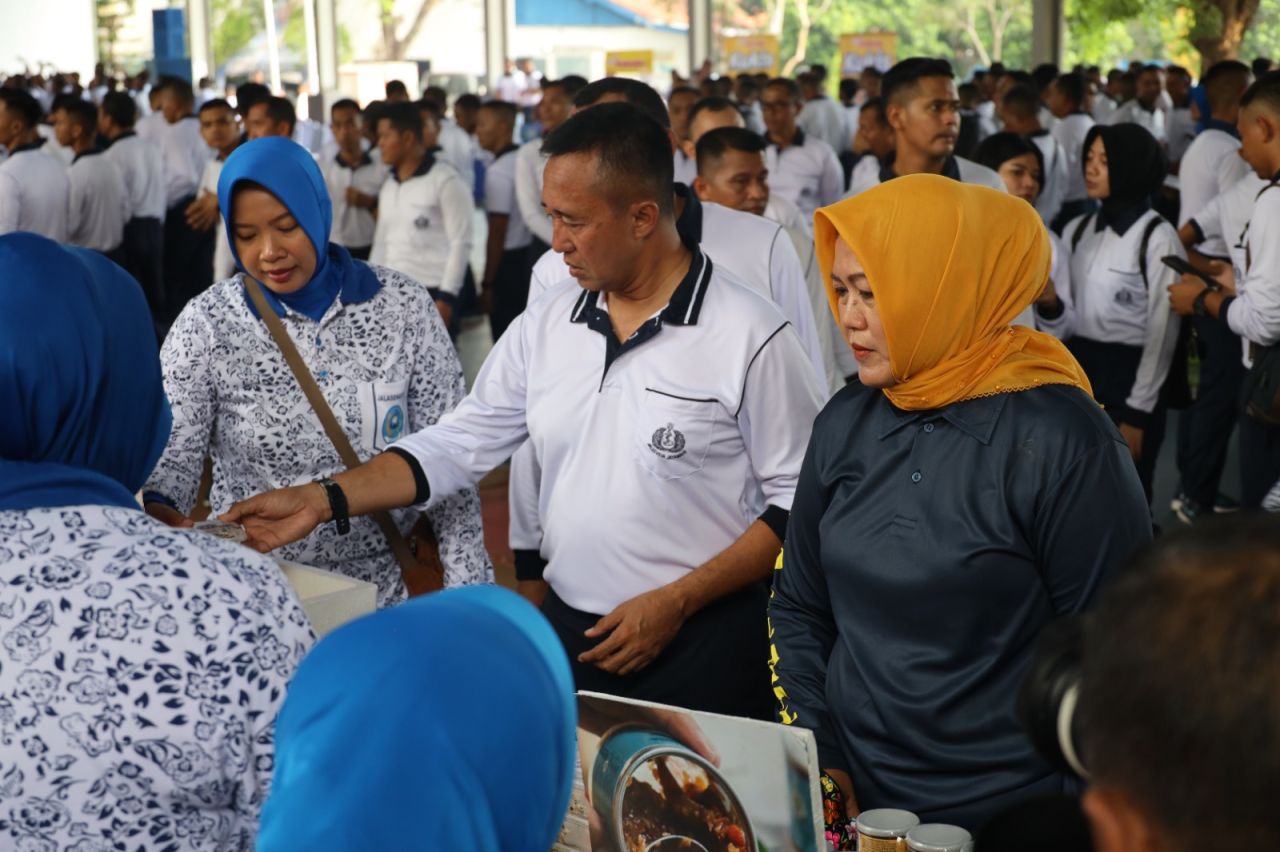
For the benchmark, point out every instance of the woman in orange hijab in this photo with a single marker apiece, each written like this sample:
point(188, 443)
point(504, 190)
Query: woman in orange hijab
point(965, 493)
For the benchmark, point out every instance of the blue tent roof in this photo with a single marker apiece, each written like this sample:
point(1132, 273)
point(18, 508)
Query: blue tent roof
point(580, 13)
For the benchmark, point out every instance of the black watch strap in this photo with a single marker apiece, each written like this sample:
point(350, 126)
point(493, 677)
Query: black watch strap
point(337, 504)
point(1198, 307)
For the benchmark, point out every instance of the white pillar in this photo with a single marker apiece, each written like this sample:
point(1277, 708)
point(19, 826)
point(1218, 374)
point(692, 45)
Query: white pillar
point(313, 62)
point(1047, 28)
point(273, 47)
point(497, 44)
point(326, 23)
point(200, 35)
point(699, 33)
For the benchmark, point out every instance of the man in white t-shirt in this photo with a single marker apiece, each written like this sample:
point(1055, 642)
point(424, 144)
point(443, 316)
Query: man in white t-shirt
point(353, 179)
point(505, 287)
point(511, 84)
point(220, 130)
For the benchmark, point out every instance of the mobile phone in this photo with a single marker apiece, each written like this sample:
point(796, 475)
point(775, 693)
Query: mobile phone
point(1181, 266)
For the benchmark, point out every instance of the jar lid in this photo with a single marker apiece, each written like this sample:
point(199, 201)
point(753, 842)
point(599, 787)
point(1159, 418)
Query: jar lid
point(936, 837)
point(887, 822)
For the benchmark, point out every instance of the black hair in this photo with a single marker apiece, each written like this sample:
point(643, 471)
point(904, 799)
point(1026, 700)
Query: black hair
point(712, 104)
point(1177, 71)
point(1045, 74)
point(403, 117)
point(683, 90)
point(1261, 66)
point(1266, 91)
point(1073, 87)
point(22, 104)
point(467, 101)
point(792, 87)
point(121, 109)
point(248, 94)
point(819, 71)
point(181, 90)
point(395, 87)
point(570, 85)
point(876, 106)
point(427, 105)
point(999, 148)
point(437, 96)
point(1023, 100)
point(1020, 78)
point(505, 110)
point(80, 111)
point(631, 148)
point(848, 88)
point(345, 103)
point(1203, 602)
point(872, 71)
point(640, 95)
point(909, 72)
point(214, 103)
point(715, 144)
point(280, 110)
point(1224, 82)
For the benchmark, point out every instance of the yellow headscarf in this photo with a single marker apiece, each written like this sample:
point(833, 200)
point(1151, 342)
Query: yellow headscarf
point(951, 265)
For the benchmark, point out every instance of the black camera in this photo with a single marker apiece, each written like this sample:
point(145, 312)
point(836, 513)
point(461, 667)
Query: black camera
point(1047, 703)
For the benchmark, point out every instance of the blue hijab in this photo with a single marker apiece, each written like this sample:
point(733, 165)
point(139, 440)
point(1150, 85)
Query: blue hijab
point(289, 172)
point(83, 415)
point(447, 722)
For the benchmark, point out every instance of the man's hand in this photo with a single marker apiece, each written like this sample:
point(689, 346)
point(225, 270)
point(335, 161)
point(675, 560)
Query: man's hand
point(356, 198)
point(1132, 437)
point(281, 517)
point(486, 298)
point(1049, 295)
point(1182, 296)
point(446, 312)
point(202, 213)
point(1225, 274)
point(638, 632)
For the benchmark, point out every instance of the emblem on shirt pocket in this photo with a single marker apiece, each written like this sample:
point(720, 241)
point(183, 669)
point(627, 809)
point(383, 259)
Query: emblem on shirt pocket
point(393, 425)
point(668, 442)
point(383, 417)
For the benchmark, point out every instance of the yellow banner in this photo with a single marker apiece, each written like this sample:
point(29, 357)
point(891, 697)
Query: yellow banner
point(754, 54)
point(859, 51)
point(629, 63)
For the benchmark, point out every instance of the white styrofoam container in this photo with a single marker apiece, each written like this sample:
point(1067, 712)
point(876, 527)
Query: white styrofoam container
point(330, 600)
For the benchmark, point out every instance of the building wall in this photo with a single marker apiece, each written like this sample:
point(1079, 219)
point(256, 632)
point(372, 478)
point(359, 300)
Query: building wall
point(581, 50)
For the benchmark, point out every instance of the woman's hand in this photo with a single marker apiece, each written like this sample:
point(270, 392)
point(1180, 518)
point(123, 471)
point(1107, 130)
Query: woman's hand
point(168, 515)
point(1132, 437)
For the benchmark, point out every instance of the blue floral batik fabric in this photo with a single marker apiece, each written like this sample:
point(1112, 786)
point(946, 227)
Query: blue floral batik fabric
point(141, 670)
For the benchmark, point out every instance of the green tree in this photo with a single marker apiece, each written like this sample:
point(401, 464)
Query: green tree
point(235, 23)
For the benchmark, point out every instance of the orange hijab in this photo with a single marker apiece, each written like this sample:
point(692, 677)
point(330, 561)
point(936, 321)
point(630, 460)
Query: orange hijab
point(951, 265)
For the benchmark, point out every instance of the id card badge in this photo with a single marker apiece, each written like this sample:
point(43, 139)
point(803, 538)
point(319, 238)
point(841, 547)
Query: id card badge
point(384, 413)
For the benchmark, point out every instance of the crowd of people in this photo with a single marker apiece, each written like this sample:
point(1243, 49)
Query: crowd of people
point(818, 410)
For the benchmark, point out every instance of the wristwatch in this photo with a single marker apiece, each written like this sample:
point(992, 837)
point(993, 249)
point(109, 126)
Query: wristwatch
point(1198, 307)
point(337, 504)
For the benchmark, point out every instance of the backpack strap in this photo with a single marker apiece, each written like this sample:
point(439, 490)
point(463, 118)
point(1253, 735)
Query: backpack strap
point(1156, 222)
point(1078, 234)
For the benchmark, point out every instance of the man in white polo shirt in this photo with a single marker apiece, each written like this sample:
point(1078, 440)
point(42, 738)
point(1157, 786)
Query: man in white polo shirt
point(33, 185)
point(805, 169)
point(556, 105)
point(922, 106)
point(670, 409)
point(98, 203)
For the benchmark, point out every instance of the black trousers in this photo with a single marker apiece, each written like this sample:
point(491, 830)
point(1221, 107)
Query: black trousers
point(1259, 458)
point(1206, 426)
point(188, 260)
point(143, 252)
point(718, 662)
point(510, 290)
point(1111, 368)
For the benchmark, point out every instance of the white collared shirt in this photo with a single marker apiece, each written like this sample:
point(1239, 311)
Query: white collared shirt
point(143, 173)
point(825, 119)
point(870, 172)
point(184, 154)
point(500, 199)
point(425, 227)
point(1056, 177)
point(353, 227)
point(1181, 131)
point(1133, 113)
point(1255, 313)
point(1113, 304)
point(656, 454)
point(1071, 133)
point(34, 194)
point(806, 173)
point(530, 164)
point(1210, 166)
point(98, 204)
point(456, 150)
point(386, 366)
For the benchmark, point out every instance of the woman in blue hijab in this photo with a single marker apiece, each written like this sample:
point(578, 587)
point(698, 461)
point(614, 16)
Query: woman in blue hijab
point(104, 608)
point(447, 723)
point(370, 336)
point(83, 416)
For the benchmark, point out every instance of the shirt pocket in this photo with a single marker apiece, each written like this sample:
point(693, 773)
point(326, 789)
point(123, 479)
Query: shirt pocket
point(384, 413)
point(673, 433)
point(1127, 290)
